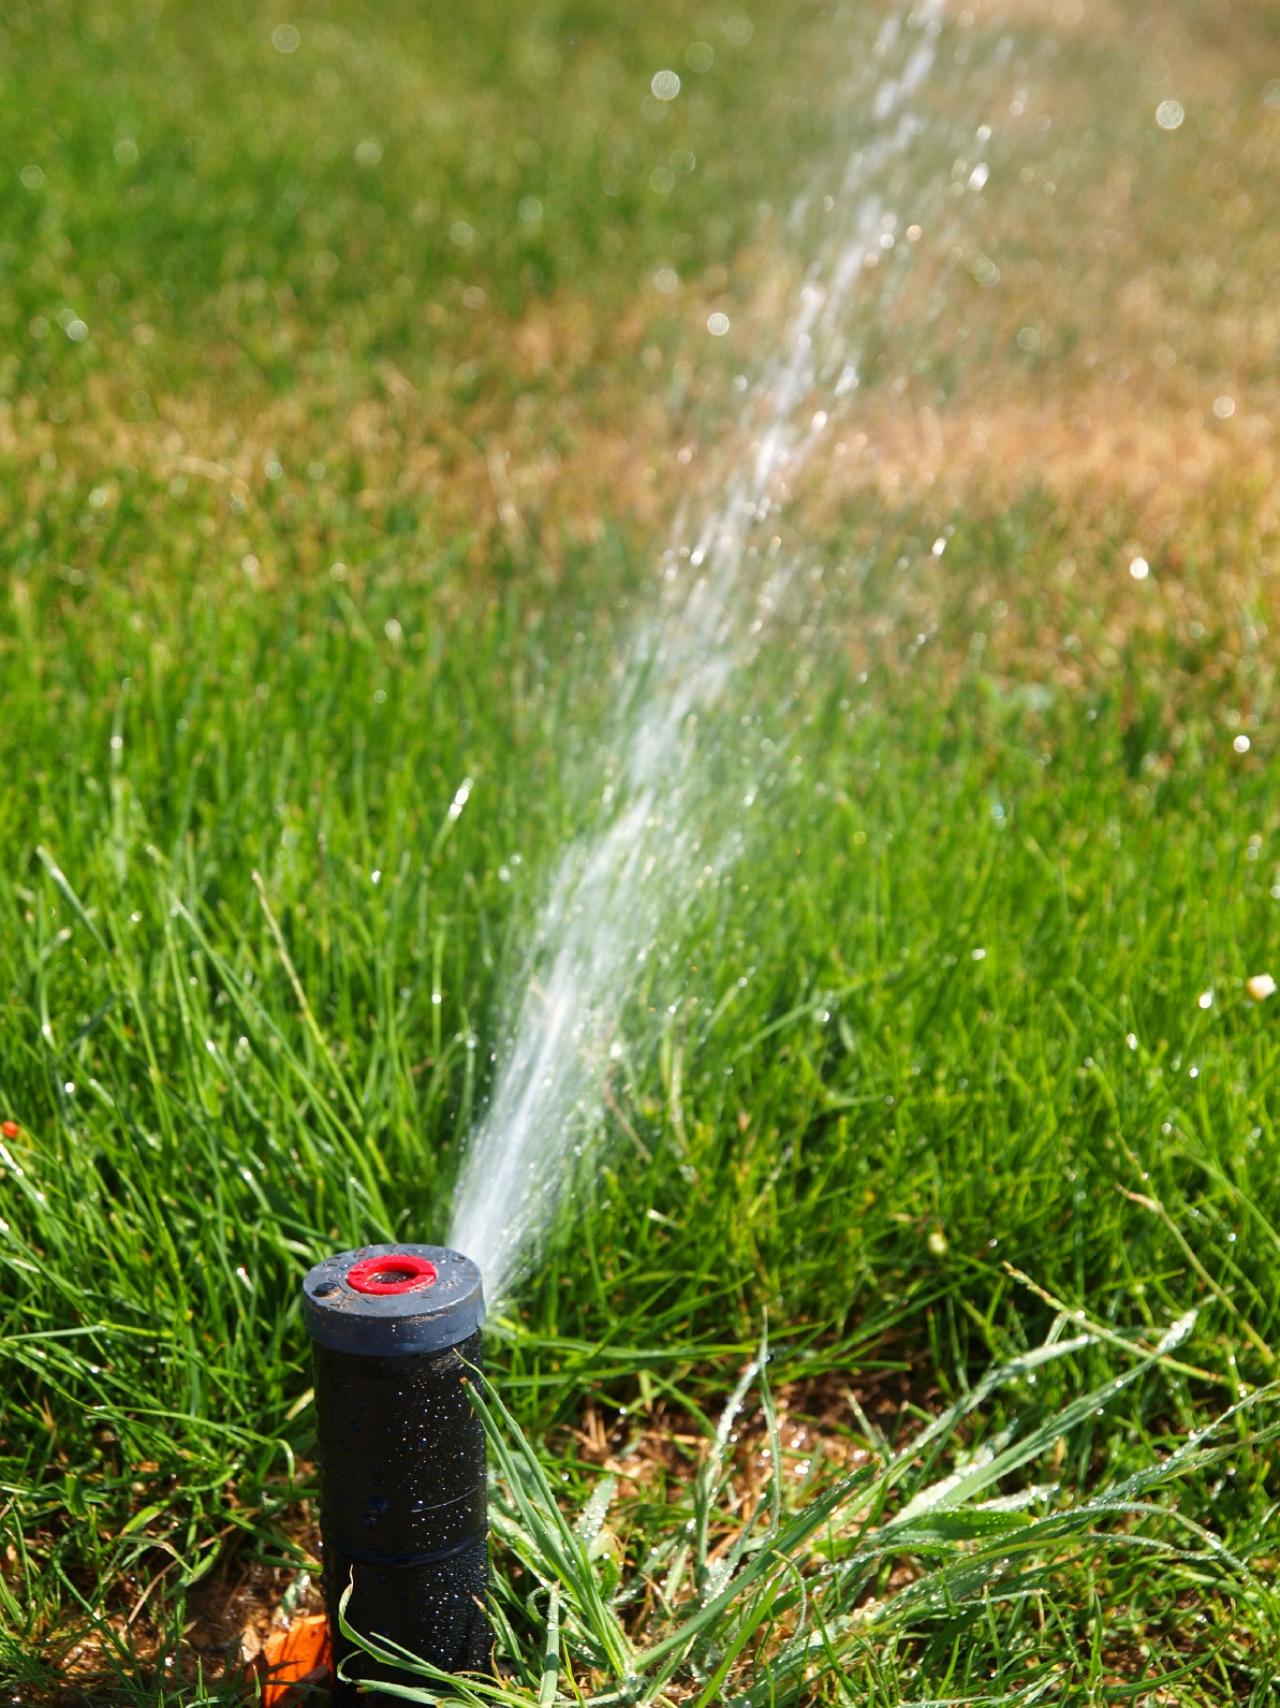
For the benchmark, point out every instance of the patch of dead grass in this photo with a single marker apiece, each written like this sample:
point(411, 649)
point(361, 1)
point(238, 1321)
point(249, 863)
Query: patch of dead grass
point(1145, 295)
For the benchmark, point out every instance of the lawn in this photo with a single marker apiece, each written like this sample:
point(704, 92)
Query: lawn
point(356, 368)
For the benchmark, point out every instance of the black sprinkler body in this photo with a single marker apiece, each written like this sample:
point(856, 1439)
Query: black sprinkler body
point(395, 1332)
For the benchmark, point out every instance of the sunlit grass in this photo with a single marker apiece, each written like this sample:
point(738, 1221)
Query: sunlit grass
point(299, 550)
point(937, 1557)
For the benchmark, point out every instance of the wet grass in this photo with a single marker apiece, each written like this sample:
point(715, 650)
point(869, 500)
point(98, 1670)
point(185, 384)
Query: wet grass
point(963, 1049)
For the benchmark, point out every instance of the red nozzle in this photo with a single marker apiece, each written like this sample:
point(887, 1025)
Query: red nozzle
point(401, 1272)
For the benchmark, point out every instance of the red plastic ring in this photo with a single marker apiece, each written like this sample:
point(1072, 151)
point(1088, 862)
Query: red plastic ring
point(399, 1272)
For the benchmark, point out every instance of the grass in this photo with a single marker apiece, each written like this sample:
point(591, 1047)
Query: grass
point(332, 505)
point(913, 1562)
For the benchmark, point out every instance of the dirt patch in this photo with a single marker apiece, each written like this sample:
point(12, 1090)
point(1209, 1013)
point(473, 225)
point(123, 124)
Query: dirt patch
point(232, 1618)
point(228, 1618)
point(822, 1429)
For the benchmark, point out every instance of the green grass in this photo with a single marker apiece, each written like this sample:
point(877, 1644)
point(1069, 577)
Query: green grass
point(941, 1077)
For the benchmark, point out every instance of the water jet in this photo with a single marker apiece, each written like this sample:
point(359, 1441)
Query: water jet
point(395, 1332)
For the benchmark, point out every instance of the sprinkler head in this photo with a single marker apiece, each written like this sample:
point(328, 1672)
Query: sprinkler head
point(403, 1519)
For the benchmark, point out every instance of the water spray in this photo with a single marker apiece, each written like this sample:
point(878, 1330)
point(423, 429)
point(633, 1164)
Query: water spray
point(662, 832)
point(395, 1333)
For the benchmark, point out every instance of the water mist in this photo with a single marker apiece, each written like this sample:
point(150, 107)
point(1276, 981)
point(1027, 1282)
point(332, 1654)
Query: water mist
point(397, 1330)
point(727, 580)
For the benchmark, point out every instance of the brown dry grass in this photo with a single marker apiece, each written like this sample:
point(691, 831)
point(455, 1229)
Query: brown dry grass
point(1129, 300)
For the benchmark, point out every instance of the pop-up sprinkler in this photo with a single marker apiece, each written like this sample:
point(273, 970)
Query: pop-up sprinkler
point(396, 1333)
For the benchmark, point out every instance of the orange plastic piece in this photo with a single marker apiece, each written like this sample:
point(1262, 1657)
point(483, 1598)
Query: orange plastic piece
point(298, 1655)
